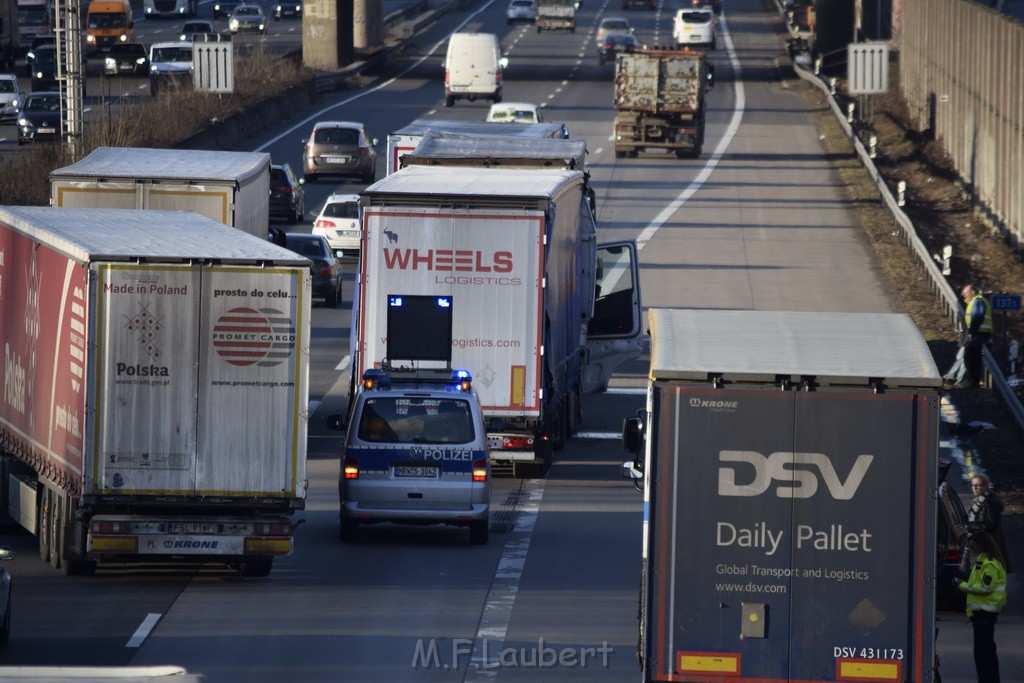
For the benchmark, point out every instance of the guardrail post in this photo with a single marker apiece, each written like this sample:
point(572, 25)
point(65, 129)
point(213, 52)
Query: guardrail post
point(901, 193)
point(873, 145)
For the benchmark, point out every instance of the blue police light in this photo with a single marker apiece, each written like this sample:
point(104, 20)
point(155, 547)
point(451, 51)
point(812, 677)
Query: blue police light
point(444, 302)
point(463, 379)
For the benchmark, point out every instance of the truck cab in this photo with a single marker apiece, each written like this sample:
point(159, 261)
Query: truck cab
point(108, 22)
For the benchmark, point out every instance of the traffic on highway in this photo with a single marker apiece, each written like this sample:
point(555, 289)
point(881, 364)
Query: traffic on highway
point(472, 520)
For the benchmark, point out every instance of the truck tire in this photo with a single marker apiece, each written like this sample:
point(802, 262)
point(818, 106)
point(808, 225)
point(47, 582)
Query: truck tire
point(256, 567)
point(539, 29)
point(56, 533)
point(479, 532)
point(5, 628)
point(43, 525)
point(620, 154)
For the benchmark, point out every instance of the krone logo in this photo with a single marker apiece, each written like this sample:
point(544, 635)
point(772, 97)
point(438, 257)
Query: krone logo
point(793, 472)
point(246, 336)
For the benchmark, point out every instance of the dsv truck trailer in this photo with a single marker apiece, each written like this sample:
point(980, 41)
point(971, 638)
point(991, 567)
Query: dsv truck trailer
point(541, 314)
point(789, 469)
point(155, 387)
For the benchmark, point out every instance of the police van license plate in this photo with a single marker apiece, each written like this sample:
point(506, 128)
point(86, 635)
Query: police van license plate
point(420, 471)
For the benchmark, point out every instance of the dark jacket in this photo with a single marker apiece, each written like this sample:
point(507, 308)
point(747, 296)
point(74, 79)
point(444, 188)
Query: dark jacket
point(986, 514)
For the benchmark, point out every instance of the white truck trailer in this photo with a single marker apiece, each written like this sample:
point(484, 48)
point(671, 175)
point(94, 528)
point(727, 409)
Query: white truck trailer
point(540, 314)
point(405, 139)
point(155, 382)
point(230, 187)
point(789, 463)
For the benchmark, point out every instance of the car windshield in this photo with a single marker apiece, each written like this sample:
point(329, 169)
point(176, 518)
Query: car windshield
point(336, 136)
point(416, 420)
point(196, 28)
point(517, 115)
point(8, 86)
point(341, 210)
point(42, 104)
point(130, 50)
point(44, 56)
point(106, 20)
point(246, 12)
point(172, 54)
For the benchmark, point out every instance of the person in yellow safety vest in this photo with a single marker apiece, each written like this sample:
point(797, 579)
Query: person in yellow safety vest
point(976, 334)
point(986, 596)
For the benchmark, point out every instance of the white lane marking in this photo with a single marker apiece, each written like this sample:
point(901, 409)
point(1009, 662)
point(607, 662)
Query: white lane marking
point(737, 115)
point(631, 391)
point(501, 597)
point(144, 629)
point(598, 151)
point(344, 363)
point(380, 86)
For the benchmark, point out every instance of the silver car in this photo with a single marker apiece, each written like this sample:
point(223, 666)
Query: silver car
point(416, 453)
point(247, 18)
point(521, 10)
point(11, 97)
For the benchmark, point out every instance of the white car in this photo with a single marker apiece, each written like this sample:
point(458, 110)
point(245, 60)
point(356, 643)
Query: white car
point(170, 64)
point(521, 10)
point(11, 97)
point(515, 112)
point(338, 222)
point(612, 26)
point(694, 27)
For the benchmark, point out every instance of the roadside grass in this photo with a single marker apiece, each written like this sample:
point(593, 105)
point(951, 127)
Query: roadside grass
point(164, 121)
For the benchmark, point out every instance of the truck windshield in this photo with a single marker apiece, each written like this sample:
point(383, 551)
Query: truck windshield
point(107, 20)
point(416, 420)
point(32, 16)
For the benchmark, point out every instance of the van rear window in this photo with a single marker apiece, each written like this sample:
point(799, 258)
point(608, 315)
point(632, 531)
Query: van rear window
point(392, 419)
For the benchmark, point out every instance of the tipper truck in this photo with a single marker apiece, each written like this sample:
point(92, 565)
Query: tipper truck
point(789, 464)
point(540, 314)
point(231, 187)
point(155, 387)
point(556, 15)
point(660, 102)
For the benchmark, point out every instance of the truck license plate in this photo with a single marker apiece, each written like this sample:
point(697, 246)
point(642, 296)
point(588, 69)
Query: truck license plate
point(423, 472)
point(46, 130)
point(192, 528)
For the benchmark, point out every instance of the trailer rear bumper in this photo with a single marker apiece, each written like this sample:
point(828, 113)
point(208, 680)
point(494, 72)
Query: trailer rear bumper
point(150, 536)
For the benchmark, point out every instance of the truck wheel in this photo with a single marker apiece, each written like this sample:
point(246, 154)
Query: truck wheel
point(348, 531)
point(620, 154)
point(256, 567)
point(479, 532)
point(56, 535)
point(5, 629)
point(449, 101)
point(539, 29)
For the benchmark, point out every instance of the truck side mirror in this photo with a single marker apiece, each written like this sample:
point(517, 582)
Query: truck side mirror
point(337, 422)
point(711, 76)
point(633, 435)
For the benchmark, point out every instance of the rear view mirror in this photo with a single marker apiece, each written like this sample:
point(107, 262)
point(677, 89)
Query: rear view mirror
point(633, 435)
point(711, 76)
point(337, 422)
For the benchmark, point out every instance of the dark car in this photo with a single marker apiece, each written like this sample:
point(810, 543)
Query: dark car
point(5, 597)
point(196, 27)
point(37, 42)
point(224, 8)
point(44, 68)
point(326, 268)
point(126, 59)
point(614, 44)
point(287, 198)
point(40, 118)
point(288, 9)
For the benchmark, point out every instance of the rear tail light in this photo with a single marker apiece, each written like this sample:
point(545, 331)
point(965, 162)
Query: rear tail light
point(109, 527)
point(325, 269)
point(954, 553)
point(283, 188)
point(271, 529)
point(480, 470)
point(350, 470)
point(324, 223)
point(517, 443)
point(447, 76)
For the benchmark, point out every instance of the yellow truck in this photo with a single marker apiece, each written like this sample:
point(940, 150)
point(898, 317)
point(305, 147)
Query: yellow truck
point(108, 22)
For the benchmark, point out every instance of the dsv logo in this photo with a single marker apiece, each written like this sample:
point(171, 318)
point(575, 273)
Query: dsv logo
point(794, 474)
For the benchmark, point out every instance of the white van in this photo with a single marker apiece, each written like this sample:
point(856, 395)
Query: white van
point(473, 68)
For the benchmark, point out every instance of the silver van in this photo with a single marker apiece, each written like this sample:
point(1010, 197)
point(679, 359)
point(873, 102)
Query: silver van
point(415, 452)
point(473, 68)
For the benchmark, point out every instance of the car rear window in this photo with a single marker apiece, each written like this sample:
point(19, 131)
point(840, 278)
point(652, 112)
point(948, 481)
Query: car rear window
point(336, 136)
point(7, 86)
point(697, 17)
point(416, 420)
point(342, 210)
point(616, 26)
point(311, 248)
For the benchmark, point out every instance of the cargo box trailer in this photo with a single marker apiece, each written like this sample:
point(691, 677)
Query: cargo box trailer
point(155, 382)
point(230, 187)
point(789, 467)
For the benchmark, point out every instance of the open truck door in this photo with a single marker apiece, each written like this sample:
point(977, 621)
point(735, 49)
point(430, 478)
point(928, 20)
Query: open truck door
point(614, 334)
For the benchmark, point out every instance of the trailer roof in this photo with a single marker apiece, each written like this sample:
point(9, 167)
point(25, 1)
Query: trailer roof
point(190, 164)
point(439, 145)
point(764, 346)
point(489, 128)
point(474, 181)
point(131, 234)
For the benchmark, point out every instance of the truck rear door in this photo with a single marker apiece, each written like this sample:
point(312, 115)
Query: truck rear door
point(791, 536)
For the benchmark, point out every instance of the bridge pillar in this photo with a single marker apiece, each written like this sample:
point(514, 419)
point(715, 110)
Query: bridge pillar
point(335, 32)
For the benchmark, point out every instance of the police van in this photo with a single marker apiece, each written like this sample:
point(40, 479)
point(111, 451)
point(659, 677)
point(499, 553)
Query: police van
point(415, 452)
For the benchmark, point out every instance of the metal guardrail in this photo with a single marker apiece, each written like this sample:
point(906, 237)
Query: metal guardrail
point(939, 285)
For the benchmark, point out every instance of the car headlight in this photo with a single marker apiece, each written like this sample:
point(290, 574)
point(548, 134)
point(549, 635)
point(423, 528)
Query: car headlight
point(39, 74)
point(23, 122)
point(123, 38)
point(90, 38)
point(182, 37)
point(110, 62)
point(278, 9)
point(154, 70)
point(140, 61)
point(233, 24)
point(262, 25)
point(15, 103)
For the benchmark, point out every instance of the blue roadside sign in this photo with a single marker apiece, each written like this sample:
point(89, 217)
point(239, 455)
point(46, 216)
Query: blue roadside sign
point(1005, 302)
